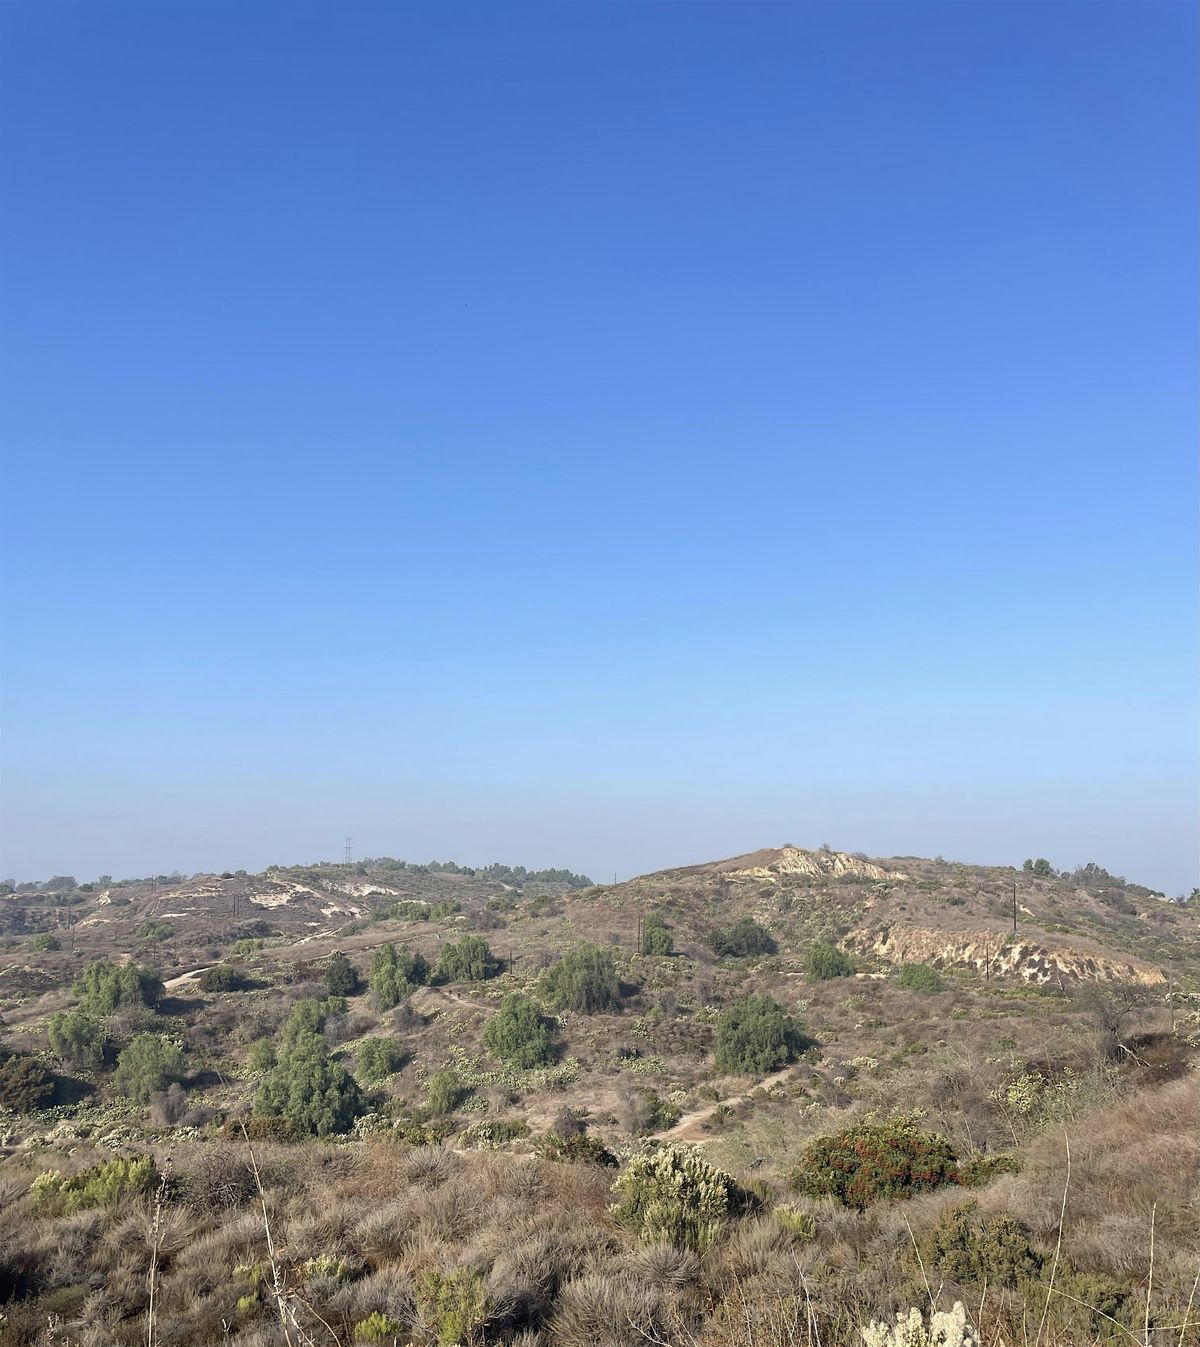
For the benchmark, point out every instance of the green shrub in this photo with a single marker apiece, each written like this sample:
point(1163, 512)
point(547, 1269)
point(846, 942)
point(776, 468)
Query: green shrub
point(871, 1161)
point(518, 1034)
point(402, 911)
point(672, 1196)
point(584, 979)
point(744, 937)
point(800, 1224)
point(979, 1170)
point(78, 1038)
point(379, 1057)
point(969, 1250)
point(261, 1056)
point(315, 1094)
point(921, 978)
point(149, 1064)
point(394, 974)
point(456, 1304)
point(494, 1132)
point(25, 1084)
point(756, 1035)
point(105, 988)
point(45, 943)
point(656, 936)
point(308, 1016)
point(153, 931)
point(575, 1148)
point(443, 1092)
point(340, 977)
point(378, 1327)
point(222, 977)
point(260, 1128)
point(468, 960)
point(100, 1186)
point(648, 1112)
point(826, 961)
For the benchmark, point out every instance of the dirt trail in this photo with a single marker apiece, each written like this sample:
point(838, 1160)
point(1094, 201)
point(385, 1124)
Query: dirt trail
point(688, 1125)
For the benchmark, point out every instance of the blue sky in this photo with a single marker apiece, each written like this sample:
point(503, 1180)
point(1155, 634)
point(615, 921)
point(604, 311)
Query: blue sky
point(611, 436)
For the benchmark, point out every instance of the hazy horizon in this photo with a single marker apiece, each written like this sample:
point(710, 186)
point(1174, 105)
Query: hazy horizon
point(609, 437)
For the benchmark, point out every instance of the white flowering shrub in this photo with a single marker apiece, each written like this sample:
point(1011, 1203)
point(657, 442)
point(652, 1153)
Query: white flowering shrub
point(672, 1196)
point(946, 1329)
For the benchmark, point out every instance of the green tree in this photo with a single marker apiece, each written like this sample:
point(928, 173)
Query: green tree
point(78, 1039)
point(105, 988)
point(394, 974)
point(470, 960)
point(584, 979)
point(45, 943)
point(518, 1034)
point(314, 1093)
point(656, 936)
point(756, 1035)
point(149, 1064)
point(340, 977)
point(1040, 869)
point(745, 937)
point(826, 961)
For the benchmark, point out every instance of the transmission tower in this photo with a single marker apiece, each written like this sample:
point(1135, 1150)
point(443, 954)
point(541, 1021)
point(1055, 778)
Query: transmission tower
point(349, 849)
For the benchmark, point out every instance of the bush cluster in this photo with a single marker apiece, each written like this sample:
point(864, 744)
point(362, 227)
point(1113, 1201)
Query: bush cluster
point(24, 1084)
point(756, 1035)
point(341, 979)
point(519, 1034)
point(744, 937)
point(148, 1064)
point(584, 979)
point(99, 1186)
point(395, 972)
point(105, 988)
point(826, 961)
point(656, 936)
point(78, 1038)
point(443, 1091)
point(222, 977)
point(871, 1161)
point(467, 960)
point(921, 978)
point(315, 1094)
point(672, 1196)
point(379, 1057)
point(575, 1148)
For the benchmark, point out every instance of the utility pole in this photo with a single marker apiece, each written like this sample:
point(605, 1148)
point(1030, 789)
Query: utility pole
point(987, 963)
point(1014, 907)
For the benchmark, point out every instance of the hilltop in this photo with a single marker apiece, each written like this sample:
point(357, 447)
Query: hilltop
point(741, 1009)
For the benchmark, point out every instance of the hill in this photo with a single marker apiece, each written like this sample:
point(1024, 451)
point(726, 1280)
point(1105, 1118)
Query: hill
point(464, 1032)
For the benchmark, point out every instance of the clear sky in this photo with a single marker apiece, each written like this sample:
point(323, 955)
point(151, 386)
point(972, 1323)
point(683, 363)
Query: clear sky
point(611, 436)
